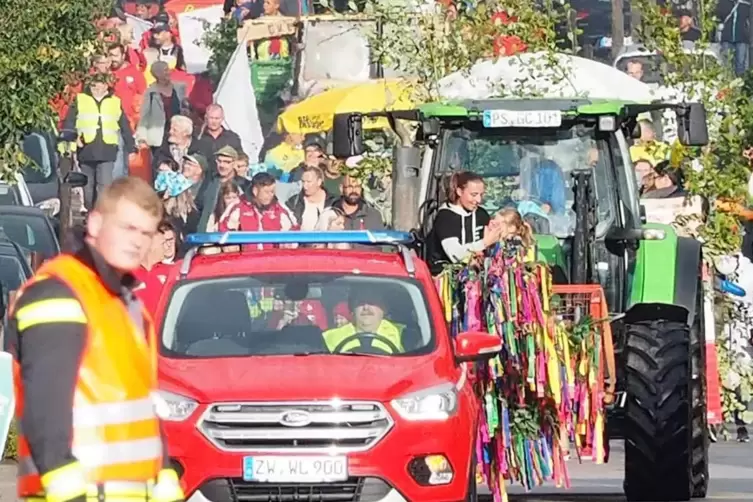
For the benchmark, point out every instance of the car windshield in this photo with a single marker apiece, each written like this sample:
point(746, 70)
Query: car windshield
point(530, 169)
point(8, 195)
point(30, 232)
point(303, 314)
point(654, 66)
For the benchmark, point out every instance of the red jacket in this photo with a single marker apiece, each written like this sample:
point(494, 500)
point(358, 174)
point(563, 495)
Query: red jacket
point(247, 216)
point(130, 87)
point(152, 282)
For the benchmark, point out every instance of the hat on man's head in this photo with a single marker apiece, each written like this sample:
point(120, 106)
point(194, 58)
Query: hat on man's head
point(159, 27)
point(366, 297)
point(313, 140)
point(198, 159)
point(227, 151)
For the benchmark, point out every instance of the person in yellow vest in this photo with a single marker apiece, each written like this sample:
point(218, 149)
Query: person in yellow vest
point(369, 332)
point(85, 372)
point(98, 117)
point(648, 147)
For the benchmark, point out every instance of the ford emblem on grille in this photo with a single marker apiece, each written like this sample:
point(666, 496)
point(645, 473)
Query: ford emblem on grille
point(295, 418)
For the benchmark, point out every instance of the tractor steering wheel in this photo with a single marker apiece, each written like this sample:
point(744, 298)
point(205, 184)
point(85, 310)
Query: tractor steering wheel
point(366, 341)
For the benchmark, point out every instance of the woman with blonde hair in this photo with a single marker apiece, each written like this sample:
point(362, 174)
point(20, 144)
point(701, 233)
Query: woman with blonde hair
point(331, 219)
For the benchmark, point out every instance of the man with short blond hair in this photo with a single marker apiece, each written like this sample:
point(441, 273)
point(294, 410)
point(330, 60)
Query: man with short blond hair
point(84, 350)
point(214, 136)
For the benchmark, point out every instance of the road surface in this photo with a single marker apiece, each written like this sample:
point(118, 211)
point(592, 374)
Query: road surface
point(731, 479)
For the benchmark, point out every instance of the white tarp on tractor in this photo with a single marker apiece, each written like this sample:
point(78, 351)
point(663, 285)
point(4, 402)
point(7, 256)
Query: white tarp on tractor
point(536, 75)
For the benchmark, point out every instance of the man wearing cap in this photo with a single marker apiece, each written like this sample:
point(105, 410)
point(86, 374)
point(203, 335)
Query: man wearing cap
point(367, 307)
point(313, 151)
point(225, 159)
point(99, 119)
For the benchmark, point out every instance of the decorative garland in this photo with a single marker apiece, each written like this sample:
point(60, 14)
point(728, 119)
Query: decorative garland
point(544, 391)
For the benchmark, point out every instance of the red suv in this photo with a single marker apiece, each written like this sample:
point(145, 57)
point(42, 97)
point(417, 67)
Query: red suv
point(315, 373)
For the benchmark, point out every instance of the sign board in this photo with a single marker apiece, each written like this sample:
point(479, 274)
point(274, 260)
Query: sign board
point(532, 118)
point(267, 27)
point(7, 397)
point(667, 211)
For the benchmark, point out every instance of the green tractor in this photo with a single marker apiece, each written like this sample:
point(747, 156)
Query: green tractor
point(591, 229)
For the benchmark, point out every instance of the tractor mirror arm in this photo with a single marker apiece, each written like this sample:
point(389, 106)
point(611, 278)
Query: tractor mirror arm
point(634, 234)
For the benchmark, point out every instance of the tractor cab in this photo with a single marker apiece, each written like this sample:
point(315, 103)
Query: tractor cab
point(565, 165)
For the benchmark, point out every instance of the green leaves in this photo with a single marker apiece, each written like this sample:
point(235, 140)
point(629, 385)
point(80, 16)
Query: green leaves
point(40, 44)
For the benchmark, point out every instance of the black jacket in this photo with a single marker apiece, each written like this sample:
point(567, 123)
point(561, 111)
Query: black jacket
point(455, 233)
point(207, 145)
point(735, 20)
point(49, 355)
point(163, 153)
point(366, 217)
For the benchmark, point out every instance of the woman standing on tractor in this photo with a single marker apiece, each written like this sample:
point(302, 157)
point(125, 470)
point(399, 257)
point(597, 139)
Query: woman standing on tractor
point(461, 227)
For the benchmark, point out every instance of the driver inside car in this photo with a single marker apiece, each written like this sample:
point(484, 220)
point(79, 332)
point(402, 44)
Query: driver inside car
point(369, 331)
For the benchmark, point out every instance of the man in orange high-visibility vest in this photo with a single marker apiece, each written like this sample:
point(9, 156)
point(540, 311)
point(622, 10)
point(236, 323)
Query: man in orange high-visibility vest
point(85, 370)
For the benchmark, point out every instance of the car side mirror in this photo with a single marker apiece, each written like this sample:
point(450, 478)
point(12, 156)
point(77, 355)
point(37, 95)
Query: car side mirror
point(692, 129)
point(476, 346)
point(76, 179)
point(347, 135)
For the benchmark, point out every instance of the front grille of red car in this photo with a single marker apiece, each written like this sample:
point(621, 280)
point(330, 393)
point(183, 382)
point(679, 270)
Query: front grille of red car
point(326, 426)
point(353, 489)
point(345, 491)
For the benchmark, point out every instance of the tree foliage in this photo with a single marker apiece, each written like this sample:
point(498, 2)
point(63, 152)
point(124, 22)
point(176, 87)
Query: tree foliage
point(430, 41)
point(221, 40)
point(723, 172)
point(41, 44)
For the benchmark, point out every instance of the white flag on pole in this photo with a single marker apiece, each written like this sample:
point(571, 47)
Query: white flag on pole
point(139, 28)
point(236, 95)
point(192, 28)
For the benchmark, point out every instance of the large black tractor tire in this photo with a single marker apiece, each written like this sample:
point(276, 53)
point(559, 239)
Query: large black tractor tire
point(700, 444)
point(658, 412)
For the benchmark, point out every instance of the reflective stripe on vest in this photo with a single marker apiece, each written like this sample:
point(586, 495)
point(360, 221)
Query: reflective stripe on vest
point(116, 435)
point(389, 330)
point(92, 115)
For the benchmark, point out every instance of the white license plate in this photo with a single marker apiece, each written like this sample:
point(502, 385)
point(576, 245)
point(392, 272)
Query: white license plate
point(533, 118)
point(295, 469)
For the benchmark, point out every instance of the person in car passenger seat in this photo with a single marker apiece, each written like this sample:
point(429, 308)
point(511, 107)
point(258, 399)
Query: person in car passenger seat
point(368, 309)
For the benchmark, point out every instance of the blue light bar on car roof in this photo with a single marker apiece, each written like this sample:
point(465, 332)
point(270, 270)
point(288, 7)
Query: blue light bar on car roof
point(377, 238)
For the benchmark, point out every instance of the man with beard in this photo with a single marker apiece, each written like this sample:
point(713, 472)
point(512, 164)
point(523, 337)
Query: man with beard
point(179, 142)
point(359, 214)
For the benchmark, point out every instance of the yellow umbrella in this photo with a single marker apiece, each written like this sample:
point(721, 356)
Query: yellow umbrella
point(316, 113)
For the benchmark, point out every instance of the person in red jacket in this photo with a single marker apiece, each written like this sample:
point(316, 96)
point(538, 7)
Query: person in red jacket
point(152, 274)
point(130, 84)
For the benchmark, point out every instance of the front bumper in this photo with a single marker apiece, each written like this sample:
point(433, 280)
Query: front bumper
point(354, 489)
point(379, 474)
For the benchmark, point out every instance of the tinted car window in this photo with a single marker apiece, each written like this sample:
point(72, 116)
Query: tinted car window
point(9, 195)
point(11, 273)
point(32, 233)
point(310, 313)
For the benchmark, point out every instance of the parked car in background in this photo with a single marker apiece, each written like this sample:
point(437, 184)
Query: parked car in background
point(40, 173)
point(30, 228)
point(15, 267)
point(16, 194)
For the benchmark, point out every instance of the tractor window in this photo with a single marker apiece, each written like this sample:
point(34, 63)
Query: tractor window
point(530, 170)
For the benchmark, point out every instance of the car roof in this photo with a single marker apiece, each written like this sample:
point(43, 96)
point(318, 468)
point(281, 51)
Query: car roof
point(281, 261)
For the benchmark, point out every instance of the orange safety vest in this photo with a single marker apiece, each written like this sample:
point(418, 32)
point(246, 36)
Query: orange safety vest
point(116, 434)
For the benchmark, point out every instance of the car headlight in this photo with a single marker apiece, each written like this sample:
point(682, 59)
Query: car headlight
point(435, 403)
point(173, 407)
